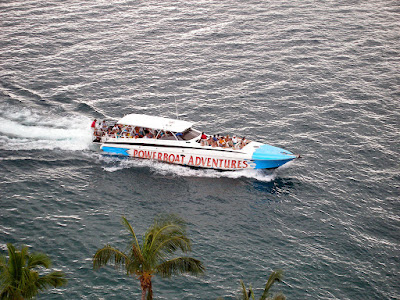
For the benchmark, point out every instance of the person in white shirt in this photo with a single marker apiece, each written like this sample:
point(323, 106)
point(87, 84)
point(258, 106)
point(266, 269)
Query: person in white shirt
point(103, 126)
point(234, 141)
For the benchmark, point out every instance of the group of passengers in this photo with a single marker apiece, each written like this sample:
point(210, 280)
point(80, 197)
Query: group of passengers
point(102, 129)
point(223, 141)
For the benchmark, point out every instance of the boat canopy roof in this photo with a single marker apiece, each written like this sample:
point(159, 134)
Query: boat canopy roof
point(153, 122)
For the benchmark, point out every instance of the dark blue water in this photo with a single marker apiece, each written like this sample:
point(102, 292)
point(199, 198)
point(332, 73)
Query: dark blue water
point(320, 78)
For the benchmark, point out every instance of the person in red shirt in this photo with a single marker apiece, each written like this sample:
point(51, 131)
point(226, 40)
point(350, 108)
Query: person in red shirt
point(93, 124)
point(203, 139)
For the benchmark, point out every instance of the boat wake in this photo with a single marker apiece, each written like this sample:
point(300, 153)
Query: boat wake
point(27, 130)
point(114, 163)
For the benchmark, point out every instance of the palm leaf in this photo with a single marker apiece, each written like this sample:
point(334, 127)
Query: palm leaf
point(167, 235)
point(135, 253)
point(54, 279)
point(170, 244)
point(4, 271)
point(275, 276)
point(157, 234)
point(38, 259)
point(107, 255)
point(251, 293)
point(165, 225)
point(245, 296)
point(130, 229)
point(180, 265)
point(18, 278)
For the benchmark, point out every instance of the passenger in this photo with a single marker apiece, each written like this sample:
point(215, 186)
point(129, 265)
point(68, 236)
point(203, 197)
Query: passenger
point(96, 134)
point(229, 142)
point(149, 135)
point(161, 134)
point(243, 142)
point(203, 139)
point(234, 142)
point(124, 133)
point(214, 141)
point(97, 127)
point(141, 132)
point(179, 135)
point(109, 133)
point(103, 126)
point(131, 131)
point(94, 123)
point(210, 141)
point(222, 142)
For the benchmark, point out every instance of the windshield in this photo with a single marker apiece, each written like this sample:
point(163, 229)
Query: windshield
point(190, 134)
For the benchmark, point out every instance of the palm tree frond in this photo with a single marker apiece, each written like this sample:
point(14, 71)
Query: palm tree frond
point(245, 296)
point(164, 226)
point(134, 267)
point(170, 244)
point(165, 219)
point(54, 279)
point(39, 259)
point(135, 253)
point(180, 265)
point(251, 293)
point(130, 229)
point(275, 276)
point(19, 280)
point(3, 268)
point(110, 255)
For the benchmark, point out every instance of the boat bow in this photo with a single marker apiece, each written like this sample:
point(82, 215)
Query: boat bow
point(268, 157)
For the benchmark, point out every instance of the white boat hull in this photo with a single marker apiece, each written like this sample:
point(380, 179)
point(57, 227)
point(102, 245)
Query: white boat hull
point(194, 155)
point(176, 142)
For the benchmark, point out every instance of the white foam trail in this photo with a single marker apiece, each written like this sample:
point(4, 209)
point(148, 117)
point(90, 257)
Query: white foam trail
point(25, 130)
point(177, 170)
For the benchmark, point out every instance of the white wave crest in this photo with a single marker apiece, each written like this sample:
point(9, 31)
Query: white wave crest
point(26, 130)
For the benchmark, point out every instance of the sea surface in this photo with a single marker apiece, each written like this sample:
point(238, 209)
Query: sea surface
point(318, 78)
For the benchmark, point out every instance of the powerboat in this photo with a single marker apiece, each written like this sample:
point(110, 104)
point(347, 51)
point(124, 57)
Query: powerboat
point(177, 142)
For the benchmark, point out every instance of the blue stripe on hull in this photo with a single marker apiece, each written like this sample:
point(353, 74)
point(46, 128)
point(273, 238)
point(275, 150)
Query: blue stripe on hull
point(116, 150)
point(270, 157)
point(269, 164)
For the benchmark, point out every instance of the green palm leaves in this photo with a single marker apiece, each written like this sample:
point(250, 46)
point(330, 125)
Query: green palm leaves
point(18, 277)
point(153, 257)
point(275, 276)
